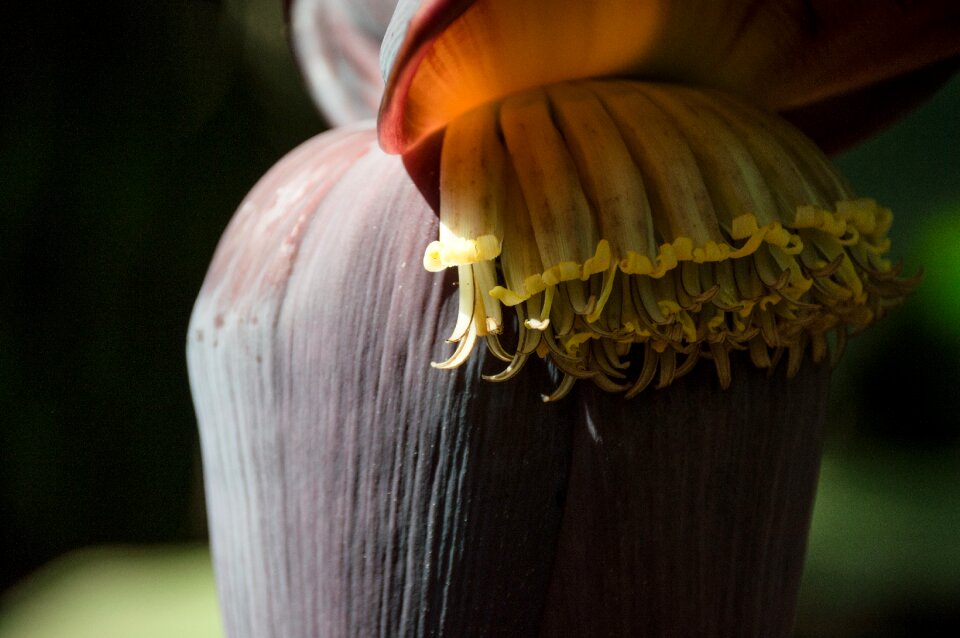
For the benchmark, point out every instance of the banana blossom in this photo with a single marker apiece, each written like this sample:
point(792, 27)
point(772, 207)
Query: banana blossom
point(615, 194)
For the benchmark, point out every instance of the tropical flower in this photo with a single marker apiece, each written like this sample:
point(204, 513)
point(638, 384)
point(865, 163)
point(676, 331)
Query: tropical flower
point(352, 490)
point(623, 219)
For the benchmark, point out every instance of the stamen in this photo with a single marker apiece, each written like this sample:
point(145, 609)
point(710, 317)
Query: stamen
point(467, 304)
point(485, 275)
point(497, 349)
point(646, 373)
point(617, 216)
point(562, 390)
point(668, 366)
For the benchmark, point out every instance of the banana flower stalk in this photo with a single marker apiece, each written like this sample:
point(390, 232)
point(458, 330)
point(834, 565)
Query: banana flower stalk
point(605, 200)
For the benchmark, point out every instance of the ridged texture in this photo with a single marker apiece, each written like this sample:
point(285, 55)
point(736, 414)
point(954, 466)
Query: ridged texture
point(687, 508)
point(351, 490)
point(354, 491)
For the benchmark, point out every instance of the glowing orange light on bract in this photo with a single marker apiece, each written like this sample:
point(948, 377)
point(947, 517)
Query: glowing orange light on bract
point(670, 221)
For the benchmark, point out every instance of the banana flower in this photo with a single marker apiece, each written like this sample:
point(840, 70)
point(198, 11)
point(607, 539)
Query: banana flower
point(604, 187)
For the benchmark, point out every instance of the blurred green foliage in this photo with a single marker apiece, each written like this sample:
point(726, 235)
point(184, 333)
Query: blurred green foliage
point(884, 552)
point(130, 133)
point(118, 592)
point(938, 242)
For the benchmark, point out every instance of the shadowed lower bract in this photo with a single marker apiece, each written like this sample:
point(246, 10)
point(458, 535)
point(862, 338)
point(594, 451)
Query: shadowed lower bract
point(354, 491)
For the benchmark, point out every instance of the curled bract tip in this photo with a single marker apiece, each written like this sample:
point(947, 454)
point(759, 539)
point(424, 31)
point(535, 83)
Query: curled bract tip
point(441, 58)
point(337, 44)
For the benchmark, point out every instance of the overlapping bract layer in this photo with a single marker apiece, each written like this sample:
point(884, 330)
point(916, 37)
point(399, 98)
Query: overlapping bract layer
point(615, 215)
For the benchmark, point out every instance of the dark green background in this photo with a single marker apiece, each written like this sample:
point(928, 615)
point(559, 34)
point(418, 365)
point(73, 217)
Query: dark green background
point(131, 131)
